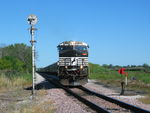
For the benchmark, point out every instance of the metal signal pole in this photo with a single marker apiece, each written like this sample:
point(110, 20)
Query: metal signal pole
point(32, 20)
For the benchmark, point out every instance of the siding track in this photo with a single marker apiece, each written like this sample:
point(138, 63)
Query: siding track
point(115, 101)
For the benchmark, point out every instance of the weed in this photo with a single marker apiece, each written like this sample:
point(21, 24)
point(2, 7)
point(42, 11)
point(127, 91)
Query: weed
point(14, 81)
point(145, 100)
point(42, 92)
point(37, 107)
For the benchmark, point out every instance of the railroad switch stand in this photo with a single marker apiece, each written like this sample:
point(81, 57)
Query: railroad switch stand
point(122, 88)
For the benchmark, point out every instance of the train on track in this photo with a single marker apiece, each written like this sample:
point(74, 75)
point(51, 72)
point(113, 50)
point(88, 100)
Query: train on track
point(73, 63)
point(72, 66)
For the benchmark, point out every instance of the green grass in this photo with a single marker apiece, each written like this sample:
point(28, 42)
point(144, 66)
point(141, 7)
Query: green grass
point(139, 76)
point(106, 76)
point(142, 79)
point(101, 73)
point(141, 82)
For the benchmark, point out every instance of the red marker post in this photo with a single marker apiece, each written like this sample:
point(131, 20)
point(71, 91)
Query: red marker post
point(121, 71)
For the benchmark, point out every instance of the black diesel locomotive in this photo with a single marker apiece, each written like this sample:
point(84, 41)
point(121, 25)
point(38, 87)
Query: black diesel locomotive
point(73, 63)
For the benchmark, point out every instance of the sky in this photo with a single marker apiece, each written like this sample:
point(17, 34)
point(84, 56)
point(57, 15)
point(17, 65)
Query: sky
point(117, 31)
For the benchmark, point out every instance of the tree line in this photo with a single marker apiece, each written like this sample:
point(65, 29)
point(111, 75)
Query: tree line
point(15, 57)
point(96, 68)
point(145, 67)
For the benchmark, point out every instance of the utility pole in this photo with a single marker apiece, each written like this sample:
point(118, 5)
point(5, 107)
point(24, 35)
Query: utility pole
point(32, 20)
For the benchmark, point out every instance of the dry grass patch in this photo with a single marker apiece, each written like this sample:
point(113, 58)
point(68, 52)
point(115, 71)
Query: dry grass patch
point(13, 82)
point(145, 100)
point(5, 83)
point(42, 92)
point(38, 107)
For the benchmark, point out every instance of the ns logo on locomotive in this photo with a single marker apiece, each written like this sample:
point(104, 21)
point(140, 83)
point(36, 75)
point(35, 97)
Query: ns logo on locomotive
point(73, 63)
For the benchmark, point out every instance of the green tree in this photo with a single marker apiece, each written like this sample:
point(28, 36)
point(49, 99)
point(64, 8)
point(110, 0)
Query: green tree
point(105, 65)
point(145, 65)
point(20, 51)
point(11, 63)
point(5, 64)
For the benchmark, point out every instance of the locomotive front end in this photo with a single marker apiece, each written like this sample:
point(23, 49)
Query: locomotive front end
point(73, 63)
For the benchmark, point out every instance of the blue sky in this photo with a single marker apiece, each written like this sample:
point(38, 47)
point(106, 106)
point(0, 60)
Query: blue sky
point(117, 31)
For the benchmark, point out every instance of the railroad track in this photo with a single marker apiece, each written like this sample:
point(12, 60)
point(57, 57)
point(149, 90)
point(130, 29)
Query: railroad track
point(122, 104)
point(96, 107)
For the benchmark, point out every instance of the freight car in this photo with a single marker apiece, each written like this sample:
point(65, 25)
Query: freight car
point(73, 63)
point(50, 69)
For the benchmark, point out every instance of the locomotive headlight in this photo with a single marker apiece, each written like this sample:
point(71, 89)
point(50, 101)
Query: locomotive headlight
point(66, 67)
point(81, 67)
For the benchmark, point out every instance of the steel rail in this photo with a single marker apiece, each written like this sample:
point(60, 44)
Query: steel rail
point(93, 106)
point(118, 102)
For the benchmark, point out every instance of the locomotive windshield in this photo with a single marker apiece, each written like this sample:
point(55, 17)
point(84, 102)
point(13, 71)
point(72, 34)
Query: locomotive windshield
point(73, 49)
point(78, 48)
point(62, 48)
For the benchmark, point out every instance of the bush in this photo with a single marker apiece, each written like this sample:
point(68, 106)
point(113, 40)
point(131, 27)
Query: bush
point(18, 56)
point(95, 68)
point(11, 63)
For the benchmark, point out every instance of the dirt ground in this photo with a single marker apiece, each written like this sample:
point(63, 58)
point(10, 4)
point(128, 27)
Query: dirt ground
point(11, 100)
point(21, 101)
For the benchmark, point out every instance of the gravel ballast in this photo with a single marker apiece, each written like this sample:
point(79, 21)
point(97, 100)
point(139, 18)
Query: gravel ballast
point(131, 99)
point(64, 103)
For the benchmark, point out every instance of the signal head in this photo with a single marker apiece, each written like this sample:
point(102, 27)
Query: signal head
point(32, 19)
